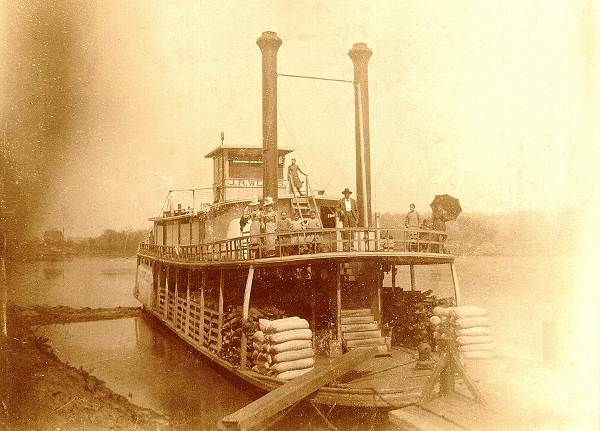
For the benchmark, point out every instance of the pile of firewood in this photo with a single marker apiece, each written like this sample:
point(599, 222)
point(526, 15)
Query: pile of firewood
point(407, 313)
point(233, 327)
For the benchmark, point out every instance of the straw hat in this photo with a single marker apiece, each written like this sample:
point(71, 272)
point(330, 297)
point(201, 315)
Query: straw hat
point(268, 201)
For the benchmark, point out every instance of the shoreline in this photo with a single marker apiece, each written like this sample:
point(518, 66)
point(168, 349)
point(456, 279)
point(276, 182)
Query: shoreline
point(44, 393)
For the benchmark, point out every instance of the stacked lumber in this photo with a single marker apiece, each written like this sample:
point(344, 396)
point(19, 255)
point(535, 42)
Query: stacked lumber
point(469, 326)
point(283, 348)
point(407, 314)
point(233, 327)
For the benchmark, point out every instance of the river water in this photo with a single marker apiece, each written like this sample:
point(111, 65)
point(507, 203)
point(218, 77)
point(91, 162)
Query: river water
point(139, 359)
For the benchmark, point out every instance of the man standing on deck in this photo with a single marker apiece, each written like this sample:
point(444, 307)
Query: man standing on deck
point(347, 211)
point(294, 178)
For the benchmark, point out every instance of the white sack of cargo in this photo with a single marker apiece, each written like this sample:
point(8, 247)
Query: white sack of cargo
point(476, 331)
point(293, 355)
point(298, 364)
point(442, 311)
point(259, 336)
point(469, 311)
point(289, 375)
point(480, 354)
point(263, 324)
point(469, 339)
point(289, 346)
point(472, 322)
point(487, 347)
point(287, 324)
point(294, 334)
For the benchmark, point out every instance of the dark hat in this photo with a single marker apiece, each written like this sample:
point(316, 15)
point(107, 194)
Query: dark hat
point(346, 191)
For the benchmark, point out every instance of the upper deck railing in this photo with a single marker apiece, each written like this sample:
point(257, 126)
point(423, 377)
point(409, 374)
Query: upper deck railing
point(305, 242)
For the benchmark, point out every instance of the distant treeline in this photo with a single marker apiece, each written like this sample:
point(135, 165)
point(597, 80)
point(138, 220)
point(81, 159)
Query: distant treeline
point(514, 233)
point(123, 242)
point(110, 242)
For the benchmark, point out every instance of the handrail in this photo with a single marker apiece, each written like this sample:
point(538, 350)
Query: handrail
point(306, 242)
point(309, 194)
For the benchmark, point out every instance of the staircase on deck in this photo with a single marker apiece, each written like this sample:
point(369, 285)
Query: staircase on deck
point(359, 327)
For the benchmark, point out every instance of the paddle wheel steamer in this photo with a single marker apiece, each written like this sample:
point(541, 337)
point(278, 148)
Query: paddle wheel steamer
point(199, 275)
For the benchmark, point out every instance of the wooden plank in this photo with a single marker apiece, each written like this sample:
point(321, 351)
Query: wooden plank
point(293, 391)
point(366, 342)
point(357, 312)
point(357, 319)
point(469, 414)
point(362, 335)
point(360, 327)
point(417, 419)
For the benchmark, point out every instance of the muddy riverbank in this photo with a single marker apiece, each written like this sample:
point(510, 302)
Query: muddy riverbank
point(40, 392)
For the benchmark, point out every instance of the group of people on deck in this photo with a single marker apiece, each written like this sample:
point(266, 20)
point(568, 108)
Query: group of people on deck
point(277, 230)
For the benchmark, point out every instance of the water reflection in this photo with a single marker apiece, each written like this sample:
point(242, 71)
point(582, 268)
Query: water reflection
point(138, 359)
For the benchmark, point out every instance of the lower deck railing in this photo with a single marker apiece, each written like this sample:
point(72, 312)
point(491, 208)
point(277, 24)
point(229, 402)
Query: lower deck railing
point(281, 244)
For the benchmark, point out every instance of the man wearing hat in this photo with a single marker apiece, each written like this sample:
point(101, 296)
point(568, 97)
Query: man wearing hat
point(347, 211)
point(249, 211)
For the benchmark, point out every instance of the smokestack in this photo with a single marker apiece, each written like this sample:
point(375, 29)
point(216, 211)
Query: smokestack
point(269, 43)
point(360, 55)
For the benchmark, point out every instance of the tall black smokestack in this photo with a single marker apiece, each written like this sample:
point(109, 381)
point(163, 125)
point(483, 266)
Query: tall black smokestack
point(360, 55)
point(269, 43)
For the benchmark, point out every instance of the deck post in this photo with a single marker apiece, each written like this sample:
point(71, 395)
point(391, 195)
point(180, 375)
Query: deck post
point(313, 304)
point(412, 277)
point(339, 301)
point(394, 270)
point(176, 298)
point(187, 303)
point(379, 274)
point(220, 320)
point(455, 283)
point(202, 285)
point(165, 311)
point(245, 312)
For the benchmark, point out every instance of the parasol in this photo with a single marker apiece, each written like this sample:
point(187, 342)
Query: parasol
point(446, 207)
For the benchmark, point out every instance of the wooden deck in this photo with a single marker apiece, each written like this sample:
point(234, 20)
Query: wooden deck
point(398, 245)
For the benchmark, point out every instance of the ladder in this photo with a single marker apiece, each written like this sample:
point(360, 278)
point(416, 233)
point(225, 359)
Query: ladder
point(303, 205)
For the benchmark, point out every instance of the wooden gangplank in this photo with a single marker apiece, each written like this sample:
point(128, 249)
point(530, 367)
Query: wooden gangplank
point(293, 391)
point(453, 412)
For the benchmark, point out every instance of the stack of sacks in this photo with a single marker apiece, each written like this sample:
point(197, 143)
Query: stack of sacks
point(286, 348)
point(472, 329)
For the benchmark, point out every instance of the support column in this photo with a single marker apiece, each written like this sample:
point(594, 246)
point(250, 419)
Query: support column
point(339, 301)
point(202, 286)
point(176, 298)
point(165, 311)
point(220, 320)
point(187, 303)
point(245, 312)
point(360, 55)
point(394, 270)
point(269, 44)
point(412, 277)
point(455, 283)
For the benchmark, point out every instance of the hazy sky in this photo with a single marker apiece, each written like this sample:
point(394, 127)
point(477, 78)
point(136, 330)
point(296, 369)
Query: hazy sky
point(485, 100)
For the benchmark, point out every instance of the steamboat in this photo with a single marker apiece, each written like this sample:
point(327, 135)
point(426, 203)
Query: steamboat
point(202, 273)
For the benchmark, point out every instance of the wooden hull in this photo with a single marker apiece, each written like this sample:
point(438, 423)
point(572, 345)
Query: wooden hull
point(341, 395)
